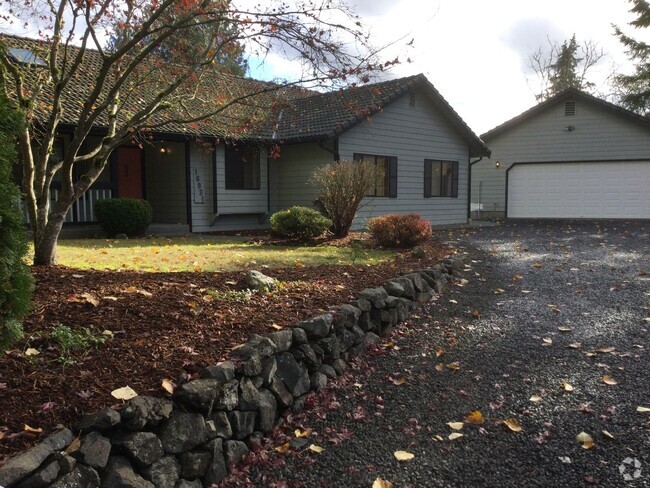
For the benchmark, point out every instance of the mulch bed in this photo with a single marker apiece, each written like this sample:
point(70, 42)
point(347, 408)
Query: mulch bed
point(163, 325)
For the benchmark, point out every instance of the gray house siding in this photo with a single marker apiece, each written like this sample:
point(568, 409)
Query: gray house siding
point(599, 135)
point(412, 134)
point(236, 209)
point(291, 174)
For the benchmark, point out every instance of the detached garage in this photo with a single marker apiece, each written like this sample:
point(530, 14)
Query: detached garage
point(572, 156)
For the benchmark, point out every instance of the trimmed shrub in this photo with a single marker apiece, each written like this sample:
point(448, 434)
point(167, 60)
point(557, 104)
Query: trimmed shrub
point(301, 222)
point(395, 230)
point(128, 216)
point(16, 281)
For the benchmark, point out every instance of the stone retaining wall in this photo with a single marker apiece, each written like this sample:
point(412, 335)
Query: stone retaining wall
point(189, 439)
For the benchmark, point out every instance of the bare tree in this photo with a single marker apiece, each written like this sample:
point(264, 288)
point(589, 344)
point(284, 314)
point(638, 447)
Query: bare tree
point(129, 91)
point(561, 66)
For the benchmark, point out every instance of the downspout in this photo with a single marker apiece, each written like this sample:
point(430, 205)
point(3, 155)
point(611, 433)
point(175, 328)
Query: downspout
point(334, 152)
point(469, 183)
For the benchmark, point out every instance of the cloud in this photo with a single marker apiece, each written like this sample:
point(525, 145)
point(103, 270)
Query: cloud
point(528, 35)
point(372, 8)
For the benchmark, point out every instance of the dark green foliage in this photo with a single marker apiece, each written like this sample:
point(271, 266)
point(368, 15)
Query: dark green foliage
point(16, 282)
point(635, 87)
point(300, 222)
point(395, 230)
point(128, 216)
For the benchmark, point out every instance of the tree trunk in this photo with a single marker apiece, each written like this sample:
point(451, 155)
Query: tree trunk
point(45, 248)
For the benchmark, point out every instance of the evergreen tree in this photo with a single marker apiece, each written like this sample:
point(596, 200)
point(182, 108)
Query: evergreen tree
point(564, 66)
point(635, 87)
point(16, 282)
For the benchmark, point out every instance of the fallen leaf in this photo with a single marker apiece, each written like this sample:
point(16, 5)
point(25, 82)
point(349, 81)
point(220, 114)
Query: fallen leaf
point(90, 299)
point(168, 386)
point(547, 340)
point(32, 430)
point(586, 440)
point(499, 291)
point(454, 366)
point(537, 265)
point(605, 350)
point(74, 446)
point(276, 326)
point(567, 386)
point(403, 455)
point(302, 433)
point(283, 448)
point(315, 448)
point(564, 329)
point(111, 298)
point(475, 418)
point(453, 301)
point(476, 314)
point(124, 393)
point(32, 352)
point(399, 381)
point(608, 380)
point(440, 367)
point(608, 435)
point(575, 345)
point(513, 425)
point(565, 459)
point(144, 293)
point(439, 352)
point(642, 409)
point(456, 425)
point(380, 483)
point(455, 435)
point(535, 398)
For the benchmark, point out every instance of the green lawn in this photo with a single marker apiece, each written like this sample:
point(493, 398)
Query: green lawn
point(202, 253)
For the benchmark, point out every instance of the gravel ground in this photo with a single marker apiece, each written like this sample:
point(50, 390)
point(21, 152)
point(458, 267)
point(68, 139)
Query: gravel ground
point(489, 344)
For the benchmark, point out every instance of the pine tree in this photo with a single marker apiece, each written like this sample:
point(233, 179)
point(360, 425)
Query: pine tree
point(635, 87)
point(16, 282)
point(564, 66)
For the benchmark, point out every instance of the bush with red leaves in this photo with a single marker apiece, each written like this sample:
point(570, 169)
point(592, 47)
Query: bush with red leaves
point(395, 230)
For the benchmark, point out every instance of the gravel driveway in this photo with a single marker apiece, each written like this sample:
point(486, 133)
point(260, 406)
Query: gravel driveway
point(543, 309)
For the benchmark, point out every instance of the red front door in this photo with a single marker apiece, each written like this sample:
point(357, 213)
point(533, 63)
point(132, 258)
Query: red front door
point(129, 171)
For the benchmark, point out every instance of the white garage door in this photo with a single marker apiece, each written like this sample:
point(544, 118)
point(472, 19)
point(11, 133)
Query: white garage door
point(580, 190)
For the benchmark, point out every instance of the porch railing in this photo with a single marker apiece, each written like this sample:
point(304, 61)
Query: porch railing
point(83, 210)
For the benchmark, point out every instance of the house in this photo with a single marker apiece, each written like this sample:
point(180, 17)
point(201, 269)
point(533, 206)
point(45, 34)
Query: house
point(217, 176)
point(571, 156)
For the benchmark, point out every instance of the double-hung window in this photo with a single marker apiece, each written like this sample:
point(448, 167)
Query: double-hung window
point(440, 178)
point(385, 174)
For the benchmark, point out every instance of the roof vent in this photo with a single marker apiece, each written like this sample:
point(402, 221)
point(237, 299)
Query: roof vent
point(411, 99)
point(25, 56)
point(569, 108)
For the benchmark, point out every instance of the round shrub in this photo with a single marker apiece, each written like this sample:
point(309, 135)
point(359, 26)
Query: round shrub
point(301, 222)
point(16, 282)
point(128, 216)
point(395, 230)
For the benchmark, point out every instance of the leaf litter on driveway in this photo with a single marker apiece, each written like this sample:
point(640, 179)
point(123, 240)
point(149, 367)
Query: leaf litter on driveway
point(556, 406)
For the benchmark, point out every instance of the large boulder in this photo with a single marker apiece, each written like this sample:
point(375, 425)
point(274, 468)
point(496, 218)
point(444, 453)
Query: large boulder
point(291, 374)
point(119, 474)
point(257, 280)
point(80, 477)
point(198, 394)
point(217, 470)
point(222, 372)
point(26, 463)
point(144, 448)
point(267, 411)
point(182, 432)
point(100, 421)
point(317, 327)
point(194, 464)
point(145, 411)
point(94, 450)
point(164, 473)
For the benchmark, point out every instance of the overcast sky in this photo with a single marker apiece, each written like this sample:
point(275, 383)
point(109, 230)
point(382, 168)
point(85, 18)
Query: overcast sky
point(475, 51)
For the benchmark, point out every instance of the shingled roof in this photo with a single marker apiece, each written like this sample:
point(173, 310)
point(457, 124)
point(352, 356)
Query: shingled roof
point(267, 112)
point(570, 93)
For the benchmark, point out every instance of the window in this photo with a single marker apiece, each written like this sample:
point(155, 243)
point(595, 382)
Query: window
point(385, 174)
point(440, 178)
point(242, 168)
point(24, 56)
point(569, 108)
